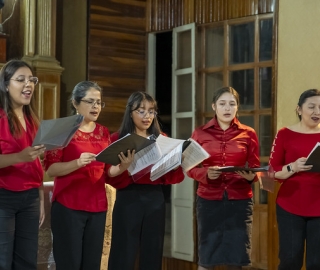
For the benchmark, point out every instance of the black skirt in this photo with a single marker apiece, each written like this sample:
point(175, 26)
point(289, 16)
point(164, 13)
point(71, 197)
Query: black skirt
point(224, 231)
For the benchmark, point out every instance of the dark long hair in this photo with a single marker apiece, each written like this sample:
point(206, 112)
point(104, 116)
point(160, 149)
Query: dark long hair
point(134, 102)
point(6, 73)
point(306, 94)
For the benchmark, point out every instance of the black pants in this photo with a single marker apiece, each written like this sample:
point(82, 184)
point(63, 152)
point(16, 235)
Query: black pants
point(294, 232)
point(19, 227)
point(138, 224)
point(77, 238)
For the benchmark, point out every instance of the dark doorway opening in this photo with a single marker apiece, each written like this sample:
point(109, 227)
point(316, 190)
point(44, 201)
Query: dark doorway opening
point(163, 85)
point(164, 79)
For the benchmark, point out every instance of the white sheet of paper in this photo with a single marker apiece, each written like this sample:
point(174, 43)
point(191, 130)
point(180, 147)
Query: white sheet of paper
point(193, 155)
point(144, 158)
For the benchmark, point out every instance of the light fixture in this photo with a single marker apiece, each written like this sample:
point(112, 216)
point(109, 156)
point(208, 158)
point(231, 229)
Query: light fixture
point(13, 6)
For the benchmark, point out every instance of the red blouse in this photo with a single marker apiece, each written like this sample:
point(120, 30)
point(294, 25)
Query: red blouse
point(123, 180)
point(83, 189)
point(21, 176)
point(299, 194)
point(236, 146)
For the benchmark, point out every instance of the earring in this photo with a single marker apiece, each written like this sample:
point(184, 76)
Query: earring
point(77, 112)
point(7, 89)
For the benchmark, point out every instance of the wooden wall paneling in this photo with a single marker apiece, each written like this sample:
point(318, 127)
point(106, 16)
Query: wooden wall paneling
point(165, 15)
point(262, 6)
point(266, 6)
point(117, 53)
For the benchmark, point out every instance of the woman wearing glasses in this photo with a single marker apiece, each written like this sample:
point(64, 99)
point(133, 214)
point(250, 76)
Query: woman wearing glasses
point(138, 220)
point(21, 174)
point(79, 202)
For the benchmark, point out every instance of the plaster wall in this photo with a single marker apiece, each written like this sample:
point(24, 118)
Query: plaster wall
point(298, 55)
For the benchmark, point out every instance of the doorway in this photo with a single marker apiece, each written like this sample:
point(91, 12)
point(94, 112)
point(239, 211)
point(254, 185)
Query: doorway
point(163, 95)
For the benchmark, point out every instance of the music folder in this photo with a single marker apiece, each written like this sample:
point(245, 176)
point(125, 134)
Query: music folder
point(237, 168)
point(314, 158)
point(57, 133)
point(129, 142)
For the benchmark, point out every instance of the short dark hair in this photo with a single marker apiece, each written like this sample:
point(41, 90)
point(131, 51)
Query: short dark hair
point(306, 94)
point(134, 102)
point(80, 91)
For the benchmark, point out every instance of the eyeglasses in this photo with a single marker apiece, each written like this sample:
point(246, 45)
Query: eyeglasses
point(33, 80)
point(92, 103)
point(143, 113)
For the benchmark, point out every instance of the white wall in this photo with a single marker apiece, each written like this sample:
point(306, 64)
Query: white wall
point(298, 55)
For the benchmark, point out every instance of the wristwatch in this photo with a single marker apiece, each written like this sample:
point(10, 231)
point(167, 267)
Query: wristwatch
point(289, 168)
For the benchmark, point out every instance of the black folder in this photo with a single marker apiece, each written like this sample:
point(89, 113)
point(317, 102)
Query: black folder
point(57, 133)
point(236, 168)
point(314, 158)
point(129, 142)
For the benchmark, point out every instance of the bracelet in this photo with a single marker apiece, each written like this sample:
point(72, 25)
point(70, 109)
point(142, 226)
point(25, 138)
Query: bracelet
point(289, 168)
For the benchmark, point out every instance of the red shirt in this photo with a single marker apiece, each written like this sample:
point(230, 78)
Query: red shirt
point(83, 189)
point(235, 146)
point(299, 194)
point(21, 176)
point(123, 180)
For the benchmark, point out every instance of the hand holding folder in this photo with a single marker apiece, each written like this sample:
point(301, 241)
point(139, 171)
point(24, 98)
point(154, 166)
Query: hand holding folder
point(129, 142)
point(57, 133)
point(314, 158)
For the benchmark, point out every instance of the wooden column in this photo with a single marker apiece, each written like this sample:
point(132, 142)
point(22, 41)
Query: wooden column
point(39, 50)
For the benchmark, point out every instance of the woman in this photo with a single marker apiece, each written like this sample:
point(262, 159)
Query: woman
point(224, 201)
point(298, 201)
point(21, 174)
point(79, 201)
point(138, 220)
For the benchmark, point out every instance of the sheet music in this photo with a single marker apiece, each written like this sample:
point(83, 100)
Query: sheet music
point(193, 155)
point(144, 158)
point(167, 163)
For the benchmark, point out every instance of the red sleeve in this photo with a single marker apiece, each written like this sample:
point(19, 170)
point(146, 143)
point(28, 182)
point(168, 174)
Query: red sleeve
point(114, 137)
point(253, 154)
point(173, 177)
point(198, 173)
point(121, 181)
point(52, 156)
point(277, 156)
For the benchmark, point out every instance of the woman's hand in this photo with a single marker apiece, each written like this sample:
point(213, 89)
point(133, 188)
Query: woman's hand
point(213, 172)
point(298, 165)
point(30, 153)
point(124, 165)
point(85, 159)
point(247, 175)
point(126, 160)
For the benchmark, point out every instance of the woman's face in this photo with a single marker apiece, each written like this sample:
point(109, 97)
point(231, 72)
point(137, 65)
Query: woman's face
point(21, 87)
point(310, 111)
point(143, 116)
point(225, 108)
point(90, 105)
